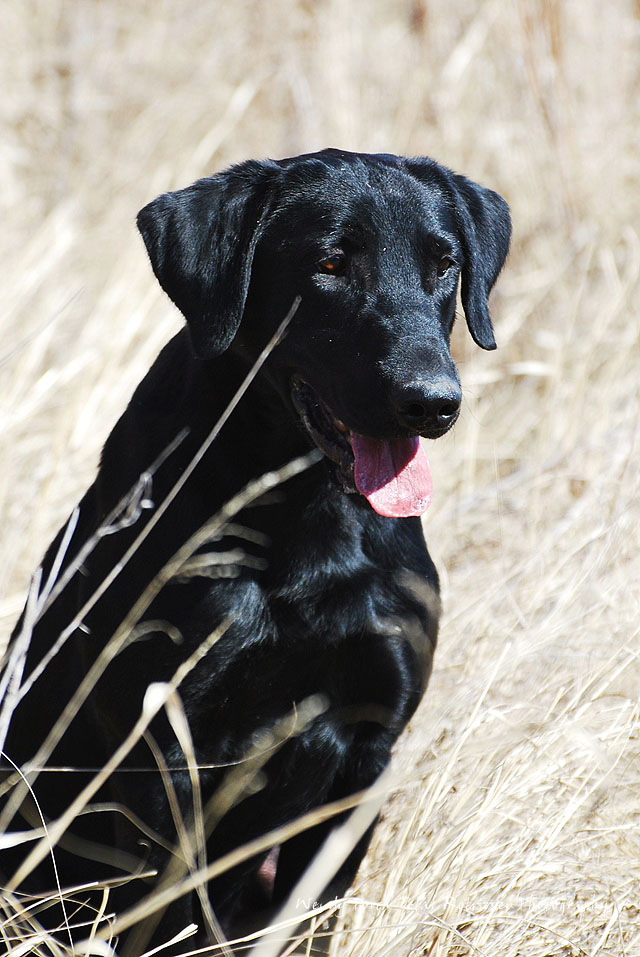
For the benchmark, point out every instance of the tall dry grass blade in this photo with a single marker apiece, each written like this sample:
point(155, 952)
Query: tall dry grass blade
point(192, 846)
point(49, 848)
point(124, 514)
point(13, 667)
point(335, 850)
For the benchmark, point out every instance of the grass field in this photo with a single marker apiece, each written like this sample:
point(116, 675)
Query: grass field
point(513, 824)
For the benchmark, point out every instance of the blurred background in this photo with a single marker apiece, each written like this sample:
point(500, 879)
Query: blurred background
point(514, 828)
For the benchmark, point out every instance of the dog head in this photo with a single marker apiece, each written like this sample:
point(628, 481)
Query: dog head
point(375, 246)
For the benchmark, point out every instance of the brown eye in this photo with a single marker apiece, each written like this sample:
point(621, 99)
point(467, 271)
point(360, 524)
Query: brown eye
point(333, 265)
point(444, 265)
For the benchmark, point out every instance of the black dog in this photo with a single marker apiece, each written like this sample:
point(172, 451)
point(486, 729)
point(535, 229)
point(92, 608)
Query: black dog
point(312, 613)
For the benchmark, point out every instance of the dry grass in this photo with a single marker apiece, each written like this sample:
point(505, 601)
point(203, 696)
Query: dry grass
point(513, 828)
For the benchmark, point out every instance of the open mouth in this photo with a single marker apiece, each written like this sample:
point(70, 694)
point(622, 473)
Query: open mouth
point(392, 474)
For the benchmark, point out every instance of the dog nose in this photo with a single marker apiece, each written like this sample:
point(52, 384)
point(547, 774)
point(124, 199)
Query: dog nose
point(428, 408)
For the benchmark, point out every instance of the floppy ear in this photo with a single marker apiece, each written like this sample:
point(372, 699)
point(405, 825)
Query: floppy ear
point(201, 241)
point(485, 230)
point(484, 227)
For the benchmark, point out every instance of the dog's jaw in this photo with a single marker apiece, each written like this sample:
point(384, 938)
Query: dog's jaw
point(392, 474)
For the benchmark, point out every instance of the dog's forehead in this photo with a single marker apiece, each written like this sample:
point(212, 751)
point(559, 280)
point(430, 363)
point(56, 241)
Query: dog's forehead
point(372, 194)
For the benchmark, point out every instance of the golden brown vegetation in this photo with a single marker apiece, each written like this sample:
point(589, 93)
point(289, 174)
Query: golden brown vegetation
point(514, 825)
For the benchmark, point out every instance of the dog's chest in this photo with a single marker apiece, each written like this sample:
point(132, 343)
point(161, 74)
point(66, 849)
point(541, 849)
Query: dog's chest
point(338, 621)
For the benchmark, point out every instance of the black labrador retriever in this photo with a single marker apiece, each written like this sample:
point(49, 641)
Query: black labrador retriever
point(297, 620)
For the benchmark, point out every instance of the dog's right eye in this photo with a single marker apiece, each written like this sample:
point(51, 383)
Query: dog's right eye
point(333, 265)
point(444, 266)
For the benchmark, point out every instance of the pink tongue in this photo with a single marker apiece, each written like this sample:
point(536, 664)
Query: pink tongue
point(393, 475)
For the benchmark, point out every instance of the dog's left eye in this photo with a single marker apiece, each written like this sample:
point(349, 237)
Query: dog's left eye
point(444, 265)
point(333, 265)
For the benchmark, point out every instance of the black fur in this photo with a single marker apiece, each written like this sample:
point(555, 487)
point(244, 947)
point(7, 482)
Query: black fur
point(333, 602)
